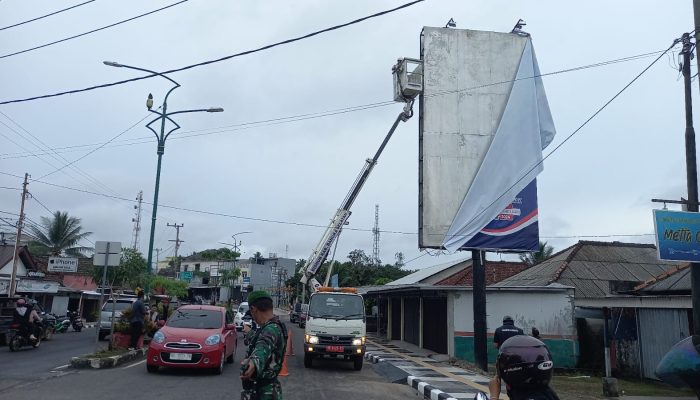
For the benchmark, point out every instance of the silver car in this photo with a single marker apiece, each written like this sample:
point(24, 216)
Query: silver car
point(238, 318)
point(106, 314)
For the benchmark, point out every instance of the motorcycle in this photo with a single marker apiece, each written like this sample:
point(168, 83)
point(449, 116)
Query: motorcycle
point(18, 340)
point(61, 325)
point(75, 320)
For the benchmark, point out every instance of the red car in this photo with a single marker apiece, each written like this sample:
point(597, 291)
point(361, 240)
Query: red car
point(195, 336)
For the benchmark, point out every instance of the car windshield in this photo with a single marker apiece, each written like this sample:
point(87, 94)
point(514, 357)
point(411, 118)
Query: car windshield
point(338, 306)
point(243, 308)
point(118, 306)
point(196, 319)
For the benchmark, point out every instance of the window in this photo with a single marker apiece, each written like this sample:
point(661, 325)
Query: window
point(195, 319)
point(186, 266)
point(339, 306)
point(196, 267)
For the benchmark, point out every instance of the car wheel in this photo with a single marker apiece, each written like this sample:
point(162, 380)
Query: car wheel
point(151, 368)
point(229, 359)
point(308, 360)
point(218, 370)
point(357, 363)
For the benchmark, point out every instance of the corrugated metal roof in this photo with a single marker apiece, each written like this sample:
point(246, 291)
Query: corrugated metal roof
point(590, 267)
point(425, 273)
point(676, 282)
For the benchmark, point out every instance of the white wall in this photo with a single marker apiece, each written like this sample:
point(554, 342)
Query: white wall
point(550, 311)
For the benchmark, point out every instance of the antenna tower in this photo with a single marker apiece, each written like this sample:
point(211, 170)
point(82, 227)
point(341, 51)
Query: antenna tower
point(375, 232)
point(137, 222)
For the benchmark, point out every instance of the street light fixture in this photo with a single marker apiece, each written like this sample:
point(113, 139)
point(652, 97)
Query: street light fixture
point(162, 116)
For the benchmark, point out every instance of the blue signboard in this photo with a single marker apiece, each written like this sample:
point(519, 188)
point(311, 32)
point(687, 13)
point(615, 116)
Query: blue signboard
point(186, 276)
point(246, 280)
point(677, 235)
point(514, 229)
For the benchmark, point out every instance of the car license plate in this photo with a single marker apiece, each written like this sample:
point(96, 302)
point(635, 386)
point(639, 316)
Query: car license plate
point(181, 356)
point(334, 349)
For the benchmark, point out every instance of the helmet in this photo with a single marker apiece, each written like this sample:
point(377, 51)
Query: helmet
point(681, 365)
point(21, 302)
point(525, 363)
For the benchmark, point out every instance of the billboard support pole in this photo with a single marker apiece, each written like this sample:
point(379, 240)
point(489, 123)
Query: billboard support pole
point(479, 304)
point(691, 172)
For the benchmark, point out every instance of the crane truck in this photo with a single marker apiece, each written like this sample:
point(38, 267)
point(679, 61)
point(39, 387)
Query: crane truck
point(335, 325)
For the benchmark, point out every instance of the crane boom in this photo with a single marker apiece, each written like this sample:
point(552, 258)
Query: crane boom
point(320, 253)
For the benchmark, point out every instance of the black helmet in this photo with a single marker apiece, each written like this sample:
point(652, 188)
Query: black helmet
point(525, 363)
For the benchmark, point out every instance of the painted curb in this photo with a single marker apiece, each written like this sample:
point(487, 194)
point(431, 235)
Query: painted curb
point(108, 362)
point(428, 391)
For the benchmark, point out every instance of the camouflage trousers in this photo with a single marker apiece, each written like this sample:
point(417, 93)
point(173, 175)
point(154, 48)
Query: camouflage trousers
point(271, 391)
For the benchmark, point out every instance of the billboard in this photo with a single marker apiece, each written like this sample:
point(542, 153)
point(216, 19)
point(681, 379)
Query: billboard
point(677, 235)
point(484, 120)
point(60, 264)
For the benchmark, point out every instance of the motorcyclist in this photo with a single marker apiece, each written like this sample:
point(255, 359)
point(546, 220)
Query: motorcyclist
point(525, 365)
point(27, 317)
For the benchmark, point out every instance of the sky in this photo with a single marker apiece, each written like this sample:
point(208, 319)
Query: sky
point(274, 179)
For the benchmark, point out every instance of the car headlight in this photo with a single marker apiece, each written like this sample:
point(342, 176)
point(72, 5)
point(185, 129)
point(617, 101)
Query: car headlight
point(359, 341)
point(159, 337)
point(212, 340)
point(311, 339)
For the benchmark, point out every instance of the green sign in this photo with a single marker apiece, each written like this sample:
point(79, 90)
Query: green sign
point(186, 276)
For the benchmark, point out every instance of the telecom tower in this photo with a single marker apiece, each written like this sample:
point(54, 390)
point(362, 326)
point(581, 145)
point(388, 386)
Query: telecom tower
point(137, 222)
point(375, 232)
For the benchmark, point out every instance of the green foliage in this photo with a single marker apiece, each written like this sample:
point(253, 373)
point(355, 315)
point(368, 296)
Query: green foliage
point(131, 272)
point(222, 254)
point(171, 287)
point(545, 251)
point(58, 235)
point(228, 276)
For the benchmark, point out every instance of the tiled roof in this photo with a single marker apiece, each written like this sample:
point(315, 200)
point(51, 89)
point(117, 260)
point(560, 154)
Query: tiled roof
point(595, 268)
point(496, 271)
point(423, 274)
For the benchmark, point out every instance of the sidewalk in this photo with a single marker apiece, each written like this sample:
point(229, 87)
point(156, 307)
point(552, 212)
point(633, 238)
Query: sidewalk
point(429, 374)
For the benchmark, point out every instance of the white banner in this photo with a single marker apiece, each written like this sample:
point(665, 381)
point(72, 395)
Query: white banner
point(4, 287)
point(28, 286)
point(59, 264)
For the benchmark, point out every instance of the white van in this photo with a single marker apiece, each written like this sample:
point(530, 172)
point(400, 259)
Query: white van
point(335, 326)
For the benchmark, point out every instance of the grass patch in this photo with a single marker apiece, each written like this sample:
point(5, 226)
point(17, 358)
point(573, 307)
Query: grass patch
point(107, 353)
point(591, 388)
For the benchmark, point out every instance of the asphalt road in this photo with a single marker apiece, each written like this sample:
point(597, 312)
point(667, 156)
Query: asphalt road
point(327, 380)
point(30, 364)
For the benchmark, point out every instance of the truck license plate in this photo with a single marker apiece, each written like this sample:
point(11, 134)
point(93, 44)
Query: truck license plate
point(181, 356)
point(334, 349)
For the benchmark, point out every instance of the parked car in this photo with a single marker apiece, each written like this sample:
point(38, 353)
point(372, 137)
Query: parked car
point(195, 336)
point(303, 314)
point(120, 304)
point(294, 313)
point(240, 313)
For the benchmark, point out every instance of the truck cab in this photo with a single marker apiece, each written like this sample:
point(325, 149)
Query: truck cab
point(335, 326)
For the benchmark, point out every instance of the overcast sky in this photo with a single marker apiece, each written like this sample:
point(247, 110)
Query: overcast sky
point(599, 183)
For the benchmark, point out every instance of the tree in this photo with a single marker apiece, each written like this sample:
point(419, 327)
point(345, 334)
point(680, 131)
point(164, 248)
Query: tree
point(222, 254)
point(170, 287)
point(132, 271)
point(59, 235)
point(544, 252)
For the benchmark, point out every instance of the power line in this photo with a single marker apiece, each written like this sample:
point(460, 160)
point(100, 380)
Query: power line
point(41, 204)
point(303, 224)
point(243, 53)
point(307, 116)
point(44, 16)
point(89, 32)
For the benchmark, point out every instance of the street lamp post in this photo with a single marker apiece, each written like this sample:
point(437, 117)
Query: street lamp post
point(162, 116)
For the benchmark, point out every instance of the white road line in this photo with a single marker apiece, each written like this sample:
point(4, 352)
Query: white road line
point(135, 364)
point(60, 367)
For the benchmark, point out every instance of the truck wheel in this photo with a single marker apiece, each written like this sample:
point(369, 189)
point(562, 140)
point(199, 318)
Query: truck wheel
point(357, 363)
point(308, 361)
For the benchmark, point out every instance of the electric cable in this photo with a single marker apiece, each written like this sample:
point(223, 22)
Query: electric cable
point(44, 16)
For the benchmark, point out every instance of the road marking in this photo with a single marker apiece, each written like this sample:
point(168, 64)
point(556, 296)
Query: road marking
point(434, 368)
point(135, 364)
point(60, 367)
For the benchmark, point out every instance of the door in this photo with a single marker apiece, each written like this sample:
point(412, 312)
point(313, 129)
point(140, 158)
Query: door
point(435, 324)
point(659, 330)
point(411, 320)
point(395, 318)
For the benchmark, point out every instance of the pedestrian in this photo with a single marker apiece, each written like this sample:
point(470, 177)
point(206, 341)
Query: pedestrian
point(265, 354)
point(138, 313)
point(536, 333)
point(503, 333)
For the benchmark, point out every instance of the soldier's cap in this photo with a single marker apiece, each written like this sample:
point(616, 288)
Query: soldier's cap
point(507, 318)
point(257, 295)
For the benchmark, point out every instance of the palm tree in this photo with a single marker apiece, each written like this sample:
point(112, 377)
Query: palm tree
point(544, 252)
point(59, 235)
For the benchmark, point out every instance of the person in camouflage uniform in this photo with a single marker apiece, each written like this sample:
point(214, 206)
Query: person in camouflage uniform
point(265, 354)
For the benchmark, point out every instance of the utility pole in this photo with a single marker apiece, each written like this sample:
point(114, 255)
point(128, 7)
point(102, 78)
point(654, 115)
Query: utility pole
point(20, 223)
point(177, 243)
point(157, 258)
point(479, 308)
point(691, 163)
point(375, 232)
point(137, 223)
